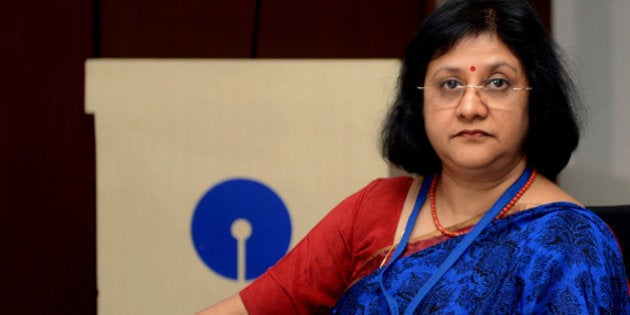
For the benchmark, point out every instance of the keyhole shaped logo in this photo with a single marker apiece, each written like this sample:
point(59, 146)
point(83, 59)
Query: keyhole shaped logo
point(240, 228)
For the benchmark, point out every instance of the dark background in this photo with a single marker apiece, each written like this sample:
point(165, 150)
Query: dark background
point(47, 150)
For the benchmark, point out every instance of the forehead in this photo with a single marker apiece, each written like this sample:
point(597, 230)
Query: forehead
point(482, 52)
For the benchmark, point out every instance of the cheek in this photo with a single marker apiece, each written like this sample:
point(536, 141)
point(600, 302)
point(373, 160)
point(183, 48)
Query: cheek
point(518, 126)
point(428, 120)
point(434, 127)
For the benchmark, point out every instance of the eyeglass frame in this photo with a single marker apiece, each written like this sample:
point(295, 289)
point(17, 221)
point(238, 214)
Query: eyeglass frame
point(475, 87)
point(478, 88)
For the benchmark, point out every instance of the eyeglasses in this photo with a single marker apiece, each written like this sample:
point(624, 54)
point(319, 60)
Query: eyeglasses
point(496, 91)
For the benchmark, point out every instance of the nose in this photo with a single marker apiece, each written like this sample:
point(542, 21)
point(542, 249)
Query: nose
point(471, 104)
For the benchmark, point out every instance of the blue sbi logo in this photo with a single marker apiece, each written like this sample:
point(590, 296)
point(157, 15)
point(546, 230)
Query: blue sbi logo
point(240, 228)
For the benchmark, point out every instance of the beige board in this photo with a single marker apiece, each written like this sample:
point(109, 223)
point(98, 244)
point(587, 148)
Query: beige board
point(168, 130)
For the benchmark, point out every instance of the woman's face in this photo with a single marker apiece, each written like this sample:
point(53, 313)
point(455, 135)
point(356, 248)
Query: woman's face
point(474, 118)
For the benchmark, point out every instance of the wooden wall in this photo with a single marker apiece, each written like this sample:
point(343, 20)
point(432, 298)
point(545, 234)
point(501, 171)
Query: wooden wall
point(47, 175)
point(263, 29)
point(47, 158)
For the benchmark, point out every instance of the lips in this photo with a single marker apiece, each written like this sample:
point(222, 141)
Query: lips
point(475, 133)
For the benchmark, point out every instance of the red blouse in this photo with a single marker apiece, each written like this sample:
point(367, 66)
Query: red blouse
point(313, 275)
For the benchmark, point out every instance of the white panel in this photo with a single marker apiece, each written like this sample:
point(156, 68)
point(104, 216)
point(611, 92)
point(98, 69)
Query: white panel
point(168, 130)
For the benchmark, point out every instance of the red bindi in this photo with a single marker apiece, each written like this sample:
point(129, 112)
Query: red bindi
point(472, 68)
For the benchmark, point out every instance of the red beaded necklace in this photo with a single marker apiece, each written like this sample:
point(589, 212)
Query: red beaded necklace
point(500, 215)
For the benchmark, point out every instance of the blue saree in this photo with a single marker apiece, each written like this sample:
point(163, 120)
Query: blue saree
point(557, 258)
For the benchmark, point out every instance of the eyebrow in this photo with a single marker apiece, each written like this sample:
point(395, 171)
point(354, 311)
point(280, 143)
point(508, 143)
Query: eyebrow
point(491, 67)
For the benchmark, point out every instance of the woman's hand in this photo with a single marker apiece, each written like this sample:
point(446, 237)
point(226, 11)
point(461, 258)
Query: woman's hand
point(230, 306)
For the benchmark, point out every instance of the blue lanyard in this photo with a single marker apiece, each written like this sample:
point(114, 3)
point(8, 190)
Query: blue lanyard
point(457, 251)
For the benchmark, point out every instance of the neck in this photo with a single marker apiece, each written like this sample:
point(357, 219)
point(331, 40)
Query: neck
point(463, 195)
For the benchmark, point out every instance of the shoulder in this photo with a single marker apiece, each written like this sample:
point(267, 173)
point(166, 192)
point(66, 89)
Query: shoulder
point(381, 190)
point(544, 191)
point(568, 216)
point(393, 184)
point(375, 209)
point(568, 230)
point(378, 196)
point(573, 261)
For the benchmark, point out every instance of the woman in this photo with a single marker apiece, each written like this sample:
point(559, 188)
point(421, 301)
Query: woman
point(484, 118)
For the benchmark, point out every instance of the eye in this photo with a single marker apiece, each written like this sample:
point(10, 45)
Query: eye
point(497, 84)
point(451, 84)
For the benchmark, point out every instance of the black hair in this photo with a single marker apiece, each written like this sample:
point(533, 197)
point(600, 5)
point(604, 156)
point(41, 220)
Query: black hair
point(553, 132)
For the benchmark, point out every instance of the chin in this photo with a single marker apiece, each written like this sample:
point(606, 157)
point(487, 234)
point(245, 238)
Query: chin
point(473, 160)
point(478, 163)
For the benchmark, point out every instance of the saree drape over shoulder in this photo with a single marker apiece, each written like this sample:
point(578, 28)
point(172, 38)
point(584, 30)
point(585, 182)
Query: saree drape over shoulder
point(557, 258)
point(554, 258)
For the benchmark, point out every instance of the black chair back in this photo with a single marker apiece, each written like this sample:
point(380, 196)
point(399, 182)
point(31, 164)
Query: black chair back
point(618, 218)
